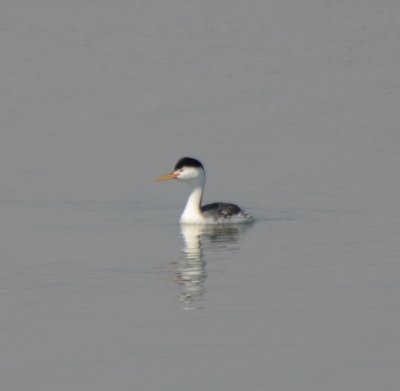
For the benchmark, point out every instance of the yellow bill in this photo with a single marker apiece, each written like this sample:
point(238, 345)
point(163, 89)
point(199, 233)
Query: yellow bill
point(172, 175)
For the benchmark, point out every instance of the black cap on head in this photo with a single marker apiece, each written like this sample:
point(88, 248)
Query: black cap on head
point(188, 162)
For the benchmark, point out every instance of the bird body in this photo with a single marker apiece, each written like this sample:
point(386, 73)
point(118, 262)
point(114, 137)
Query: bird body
point(192, 171)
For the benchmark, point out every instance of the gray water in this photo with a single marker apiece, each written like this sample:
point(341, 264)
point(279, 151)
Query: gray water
point(293, 106)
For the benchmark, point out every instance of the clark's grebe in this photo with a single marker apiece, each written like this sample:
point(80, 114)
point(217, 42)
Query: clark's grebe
point(192, 171)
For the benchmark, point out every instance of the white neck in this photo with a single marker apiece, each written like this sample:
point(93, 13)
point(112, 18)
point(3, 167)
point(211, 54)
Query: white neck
point(192, 212)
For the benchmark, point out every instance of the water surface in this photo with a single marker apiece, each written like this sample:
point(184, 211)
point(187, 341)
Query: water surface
point(293, 109)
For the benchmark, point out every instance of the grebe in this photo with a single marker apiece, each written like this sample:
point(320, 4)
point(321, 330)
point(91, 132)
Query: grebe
point(192, 171)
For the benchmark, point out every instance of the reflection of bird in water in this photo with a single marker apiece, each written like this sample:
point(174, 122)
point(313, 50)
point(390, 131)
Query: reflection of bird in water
point(190, 272)
point(192, 171)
